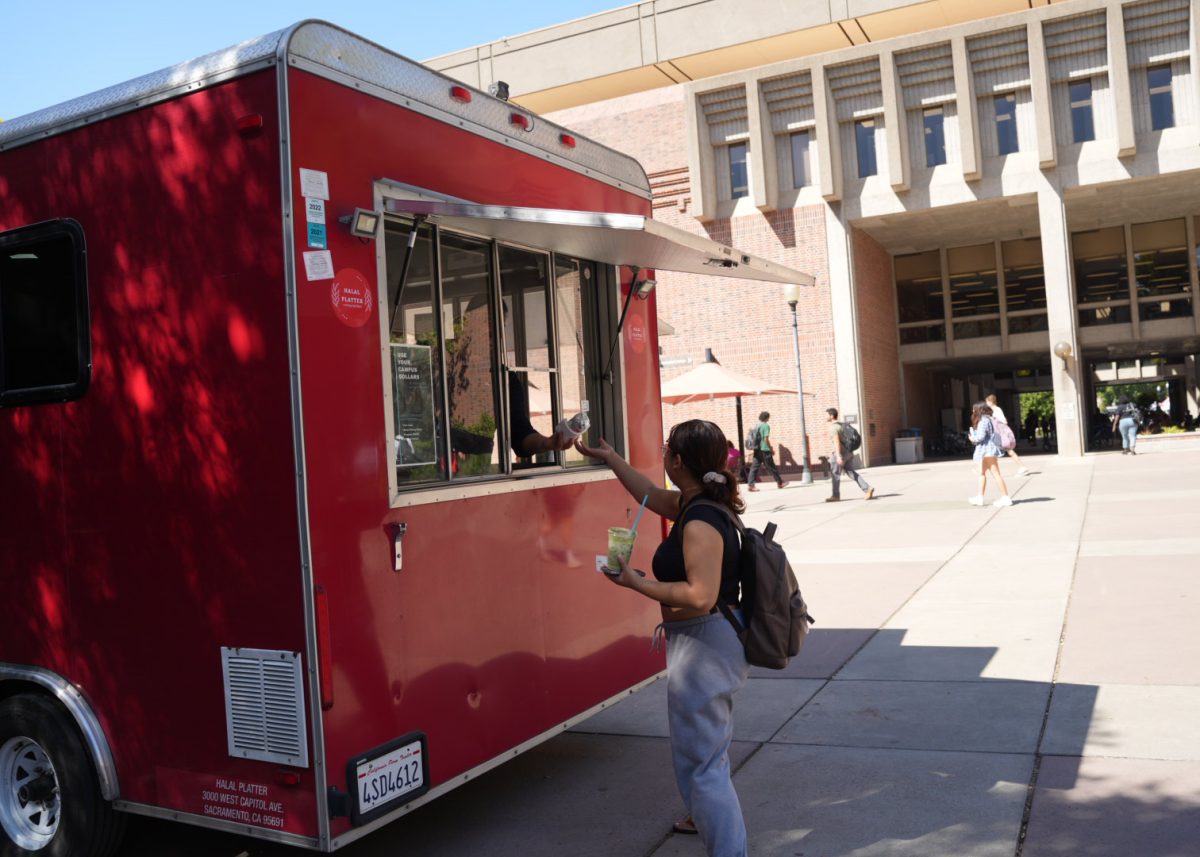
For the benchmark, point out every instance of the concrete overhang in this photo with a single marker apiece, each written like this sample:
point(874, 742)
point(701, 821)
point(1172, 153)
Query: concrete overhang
point(664, 42)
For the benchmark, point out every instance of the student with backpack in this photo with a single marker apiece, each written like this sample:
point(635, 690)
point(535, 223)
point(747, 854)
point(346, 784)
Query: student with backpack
point(1008, 440)
point(1127, 420)
point(758, 440)
point(987, 454)
point(846, 441)
point(695, 569)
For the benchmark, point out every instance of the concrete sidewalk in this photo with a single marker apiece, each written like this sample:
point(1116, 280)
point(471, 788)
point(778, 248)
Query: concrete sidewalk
point(1021, 681)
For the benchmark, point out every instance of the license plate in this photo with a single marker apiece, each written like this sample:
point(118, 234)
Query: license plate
point(389, 776)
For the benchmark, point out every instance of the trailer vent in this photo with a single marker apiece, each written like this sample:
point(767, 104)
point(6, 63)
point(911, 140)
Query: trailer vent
point(264, 705)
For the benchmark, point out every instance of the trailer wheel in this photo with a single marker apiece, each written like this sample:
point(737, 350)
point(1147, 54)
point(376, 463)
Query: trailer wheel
point(50, 801)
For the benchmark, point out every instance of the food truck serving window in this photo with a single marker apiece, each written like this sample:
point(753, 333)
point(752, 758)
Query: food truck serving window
point(515, 346)
point(45, 350)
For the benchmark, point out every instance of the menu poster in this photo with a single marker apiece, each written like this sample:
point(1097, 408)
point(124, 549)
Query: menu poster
point(412, 395)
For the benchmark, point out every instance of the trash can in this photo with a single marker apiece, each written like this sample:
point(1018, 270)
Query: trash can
point(909, 450)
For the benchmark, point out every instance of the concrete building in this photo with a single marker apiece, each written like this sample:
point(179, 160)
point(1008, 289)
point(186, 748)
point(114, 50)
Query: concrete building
point(994, 195)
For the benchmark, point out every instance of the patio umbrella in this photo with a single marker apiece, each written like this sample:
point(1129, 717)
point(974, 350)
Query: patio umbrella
point(711, 380)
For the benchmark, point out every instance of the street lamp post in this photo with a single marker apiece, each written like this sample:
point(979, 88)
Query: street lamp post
point(791, 294)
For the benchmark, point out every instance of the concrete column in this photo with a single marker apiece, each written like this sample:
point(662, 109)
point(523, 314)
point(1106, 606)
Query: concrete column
point(1043, 104)
point(1118, 81)
point(844, 307)
point(1194, 42)
point(895, 123)
point(764, 180)
point(967, 107)
point(1063, 322)
point(1190, 223)
point(1135, 315)
point(701, 167)
point(829, 144)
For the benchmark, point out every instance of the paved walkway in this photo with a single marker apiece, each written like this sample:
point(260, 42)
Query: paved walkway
point(1019, 682)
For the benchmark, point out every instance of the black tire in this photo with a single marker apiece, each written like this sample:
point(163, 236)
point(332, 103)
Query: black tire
point(88, 826)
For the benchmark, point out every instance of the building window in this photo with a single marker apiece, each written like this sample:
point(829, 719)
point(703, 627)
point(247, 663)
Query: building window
point(919, 297)
point(1101, 276)
point(1160, 259)
point(490, 344)
point(739, 175)
point(45, 341)
point(935, 137)
point(1024, 285)
point(799, 143)
point(1082, 126)
point(864, 142)
point(1006, 123)
point(974, 291)
point(1162, 108)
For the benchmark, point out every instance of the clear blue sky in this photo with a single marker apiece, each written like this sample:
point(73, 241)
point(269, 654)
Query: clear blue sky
point(54, 51)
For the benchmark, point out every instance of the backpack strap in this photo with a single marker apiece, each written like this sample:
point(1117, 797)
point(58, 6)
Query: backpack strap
point(722, 605)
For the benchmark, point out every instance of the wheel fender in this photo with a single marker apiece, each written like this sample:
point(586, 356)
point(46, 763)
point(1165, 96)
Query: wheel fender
point(73, 701)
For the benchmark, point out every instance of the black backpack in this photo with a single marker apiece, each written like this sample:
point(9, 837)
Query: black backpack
point(753, 439)
point(851, 439)
point(776, 616)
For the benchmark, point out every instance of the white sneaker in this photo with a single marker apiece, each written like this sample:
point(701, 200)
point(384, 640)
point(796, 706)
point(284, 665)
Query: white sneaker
point(1024, 471)
point(976, 501)
point(1003, 501)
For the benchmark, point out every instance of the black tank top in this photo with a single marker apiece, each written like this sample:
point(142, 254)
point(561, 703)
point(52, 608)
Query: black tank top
point(668, 559)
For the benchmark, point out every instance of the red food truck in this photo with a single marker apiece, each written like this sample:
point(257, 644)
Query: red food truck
point(287, 546)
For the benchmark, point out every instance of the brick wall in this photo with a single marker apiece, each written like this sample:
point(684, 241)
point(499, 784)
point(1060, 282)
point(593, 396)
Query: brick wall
point(746, 323)
point(878, 345)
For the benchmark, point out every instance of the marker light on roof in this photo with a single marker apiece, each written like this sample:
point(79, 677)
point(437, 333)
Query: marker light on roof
point(461, 94)
point(567, 140)
point(521, 121)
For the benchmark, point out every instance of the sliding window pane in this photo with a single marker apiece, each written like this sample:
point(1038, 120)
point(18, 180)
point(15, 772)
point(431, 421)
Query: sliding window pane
point(576, 292)
point(416, 359)
point(467, 315)
point(528, 361)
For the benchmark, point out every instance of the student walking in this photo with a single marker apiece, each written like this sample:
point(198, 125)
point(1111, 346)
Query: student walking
point(841, 460)
point(987, 454)
point(1127, 419)
point(764, 454)
point(706, 664)
point(998, 416)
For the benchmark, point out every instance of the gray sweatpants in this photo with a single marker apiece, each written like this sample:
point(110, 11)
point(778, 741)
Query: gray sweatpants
point(705, 667)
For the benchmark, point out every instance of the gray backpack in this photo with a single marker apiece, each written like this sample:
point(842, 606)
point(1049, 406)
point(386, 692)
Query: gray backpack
point(777, 618)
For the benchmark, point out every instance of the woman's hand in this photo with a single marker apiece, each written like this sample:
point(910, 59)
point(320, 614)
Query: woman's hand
point(601, 451)
point(624, 576)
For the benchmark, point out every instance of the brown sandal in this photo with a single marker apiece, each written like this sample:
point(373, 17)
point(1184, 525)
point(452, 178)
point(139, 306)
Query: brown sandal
point(685, 826)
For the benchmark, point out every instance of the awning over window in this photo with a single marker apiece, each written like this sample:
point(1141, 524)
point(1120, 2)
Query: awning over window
point(612, 239)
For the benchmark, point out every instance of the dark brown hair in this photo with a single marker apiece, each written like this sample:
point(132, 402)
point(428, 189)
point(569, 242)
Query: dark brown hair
point(703, 448)
point(979, 409)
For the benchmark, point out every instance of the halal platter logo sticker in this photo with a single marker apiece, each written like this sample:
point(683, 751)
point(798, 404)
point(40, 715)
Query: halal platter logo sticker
point(352, 299)
point(637, 334)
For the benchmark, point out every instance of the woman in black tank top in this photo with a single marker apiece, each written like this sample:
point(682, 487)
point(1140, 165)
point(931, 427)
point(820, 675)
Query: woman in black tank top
point(706, 665)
